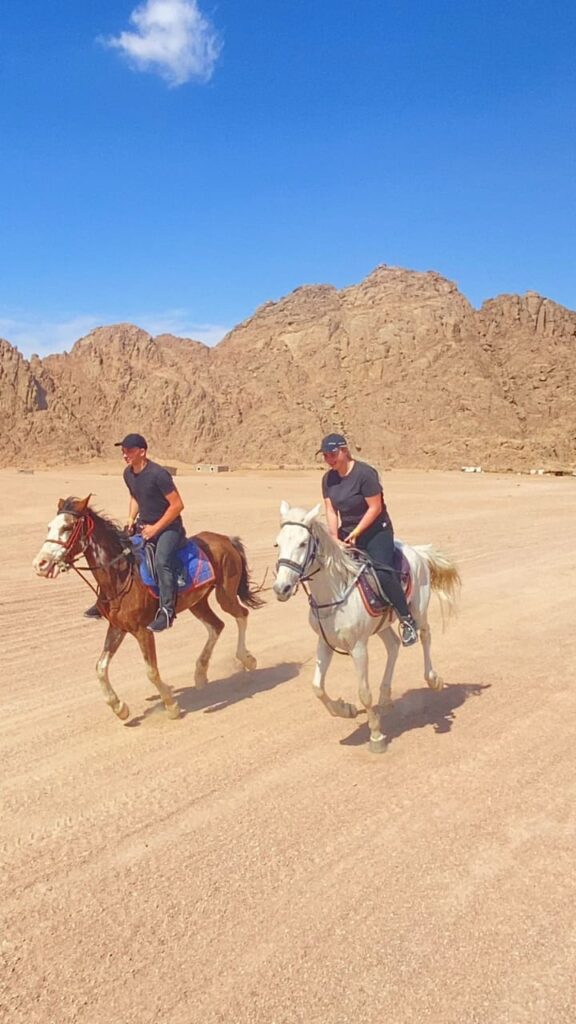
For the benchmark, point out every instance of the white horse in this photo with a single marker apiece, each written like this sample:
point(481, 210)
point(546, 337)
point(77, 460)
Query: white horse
point(329, 573)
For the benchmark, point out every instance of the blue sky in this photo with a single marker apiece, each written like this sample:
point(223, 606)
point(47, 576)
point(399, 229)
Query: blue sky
point(176, 164)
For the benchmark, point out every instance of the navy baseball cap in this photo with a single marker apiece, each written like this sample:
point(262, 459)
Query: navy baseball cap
point(331, 443)
point(132, 441)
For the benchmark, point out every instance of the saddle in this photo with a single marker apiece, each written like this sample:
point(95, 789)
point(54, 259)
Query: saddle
point(194, 567)
point(375, 602)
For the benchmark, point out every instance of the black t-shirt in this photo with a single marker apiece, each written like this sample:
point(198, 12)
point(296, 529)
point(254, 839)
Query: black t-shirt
point(348, 496)
point(149, 488)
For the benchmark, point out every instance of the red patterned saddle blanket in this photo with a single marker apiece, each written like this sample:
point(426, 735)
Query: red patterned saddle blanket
point(375, 602)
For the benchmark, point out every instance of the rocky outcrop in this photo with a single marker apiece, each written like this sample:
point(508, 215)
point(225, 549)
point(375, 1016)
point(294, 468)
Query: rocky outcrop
point(401, 362)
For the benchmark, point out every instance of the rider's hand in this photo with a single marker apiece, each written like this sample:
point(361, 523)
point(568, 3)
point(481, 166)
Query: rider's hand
point(148, 532)
point(351, 539)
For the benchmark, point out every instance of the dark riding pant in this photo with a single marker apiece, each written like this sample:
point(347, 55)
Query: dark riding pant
point(379, 545)
point(167, 543)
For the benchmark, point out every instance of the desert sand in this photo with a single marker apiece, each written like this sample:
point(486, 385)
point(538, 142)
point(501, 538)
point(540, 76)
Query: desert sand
point(252, 862)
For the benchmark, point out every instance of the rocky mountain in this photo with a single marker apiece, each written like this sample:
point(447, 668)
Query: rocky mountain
point(401, 362)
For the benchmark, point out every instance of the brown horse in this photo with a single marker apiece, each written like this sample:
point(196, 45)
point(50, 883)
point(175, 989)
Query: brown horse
point(77, 530)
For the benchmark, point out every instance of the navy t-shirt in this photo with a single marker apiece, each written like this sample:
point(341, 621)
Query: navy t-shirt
point(348, 496)
point(149, 488)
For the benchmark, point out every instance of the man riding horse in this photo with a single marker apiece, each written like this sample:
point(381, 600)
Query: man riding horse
point(156, 505)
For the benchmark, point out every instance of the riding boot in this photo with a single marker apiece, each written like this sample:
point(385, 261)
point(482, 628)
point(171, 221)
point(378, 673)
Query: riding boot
point(93, 612)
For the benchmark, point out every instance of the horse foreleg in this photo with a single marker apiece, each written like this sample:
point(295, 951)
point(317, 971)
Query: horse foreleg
point(435, 682)
point(360, 658)
point(146, 641)
point(337, 708)
point(114, 638)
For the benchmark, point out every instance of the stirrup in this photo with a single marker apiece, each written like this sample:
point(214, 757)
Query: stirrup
point(408, 632)
point(162, 620)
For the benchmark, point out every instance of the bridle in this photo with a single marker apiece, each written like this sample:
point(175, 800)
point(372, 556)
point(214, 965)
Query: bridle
point(81, 532)
point(76, 546)
point(304, 576)
point(311, 552)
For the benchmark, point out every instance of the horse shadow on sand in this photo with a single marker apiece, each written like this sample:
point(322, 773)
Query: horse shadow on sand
point(223, 693)
point(419, 708)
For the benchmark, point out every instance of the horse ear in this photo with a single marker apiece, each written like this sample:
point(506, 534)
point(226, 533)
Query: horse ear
point(284, 509)
point(61, 504)
point(82, 504)
point(312, 514)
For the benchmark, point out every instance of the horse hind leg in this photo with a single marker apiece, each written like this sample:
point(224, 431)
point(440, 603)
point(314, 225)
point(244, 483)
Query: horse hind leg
point(114, 638)
point(228, 600)
point(148, 647)
point(247, 660)
point(203, 612)
point(391, 642)
point(435, 682)
point(360, 658)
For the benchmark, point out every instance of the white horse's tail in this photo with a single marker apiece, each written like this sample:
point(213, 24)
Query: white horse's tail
point(444, 578)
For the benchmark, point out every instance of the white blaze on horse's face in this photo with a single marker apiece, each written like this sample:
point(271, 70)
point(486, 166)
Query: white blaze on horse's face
point(294, 546)
point(50, 558)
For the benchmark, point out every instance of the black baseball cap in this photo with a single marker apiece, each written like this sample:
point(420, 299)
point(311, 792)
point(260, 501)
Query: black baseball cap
point(132, 441)
point(332, 442)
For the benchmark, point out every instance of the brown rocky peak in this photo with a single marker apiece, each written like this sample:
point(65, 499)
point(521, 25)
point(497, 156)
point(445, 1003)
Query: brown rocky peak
point(401, 362)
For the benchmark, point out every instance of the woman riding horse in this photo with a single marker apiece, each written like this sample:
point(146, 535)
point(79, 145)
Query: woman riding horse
point(357, 514)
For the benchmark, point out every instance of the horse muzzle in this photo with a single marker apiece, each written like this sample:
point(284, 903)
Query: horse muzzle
point(46, 566)
point(283, 591)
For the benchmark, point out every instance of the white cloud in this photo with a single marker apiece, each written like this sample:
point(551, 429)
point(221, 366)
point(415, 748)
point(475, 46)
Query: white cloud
point(172, 38)
point(45, 336)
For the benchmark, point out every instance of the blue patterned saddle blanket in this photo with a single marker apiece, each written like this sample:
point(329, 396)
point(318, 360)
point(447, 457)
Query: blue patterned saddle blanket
point(194, 567)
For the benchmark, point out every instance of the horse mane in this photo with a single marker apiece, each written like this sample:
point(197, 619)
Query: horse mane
point(337, 561)
point(110, 534)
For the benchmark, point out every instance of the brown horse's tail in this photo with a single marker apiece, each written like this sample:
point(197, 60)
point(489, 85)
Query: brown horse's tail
point(247, 593)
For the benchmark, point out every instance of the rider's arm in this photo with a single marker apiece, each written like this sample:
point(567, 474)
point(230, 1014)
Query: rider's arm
point(370, 516)
point(175, 507)
point(332, 518)
point(132, 512)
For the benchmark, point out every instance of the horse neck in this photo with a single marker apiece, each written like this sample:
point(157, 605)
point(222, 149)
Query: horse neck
point(99, 556)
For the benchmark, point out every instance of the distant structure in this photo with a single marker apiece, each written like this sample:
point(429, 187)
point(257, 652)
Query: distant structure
point(171, 469)
point(205, 467)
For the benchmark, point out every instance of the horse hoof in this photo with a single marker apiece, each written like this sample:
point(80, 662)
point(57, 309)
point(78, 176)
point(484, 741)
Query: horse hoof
point(122, 710)
point(249, 663)
point(435, 682)
point(378, 746)
point(345, 710)
point(173, 710)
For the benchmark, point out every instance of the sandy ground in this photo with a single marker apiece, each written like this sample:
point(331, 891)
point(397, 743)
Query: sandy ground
point(253, 862)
